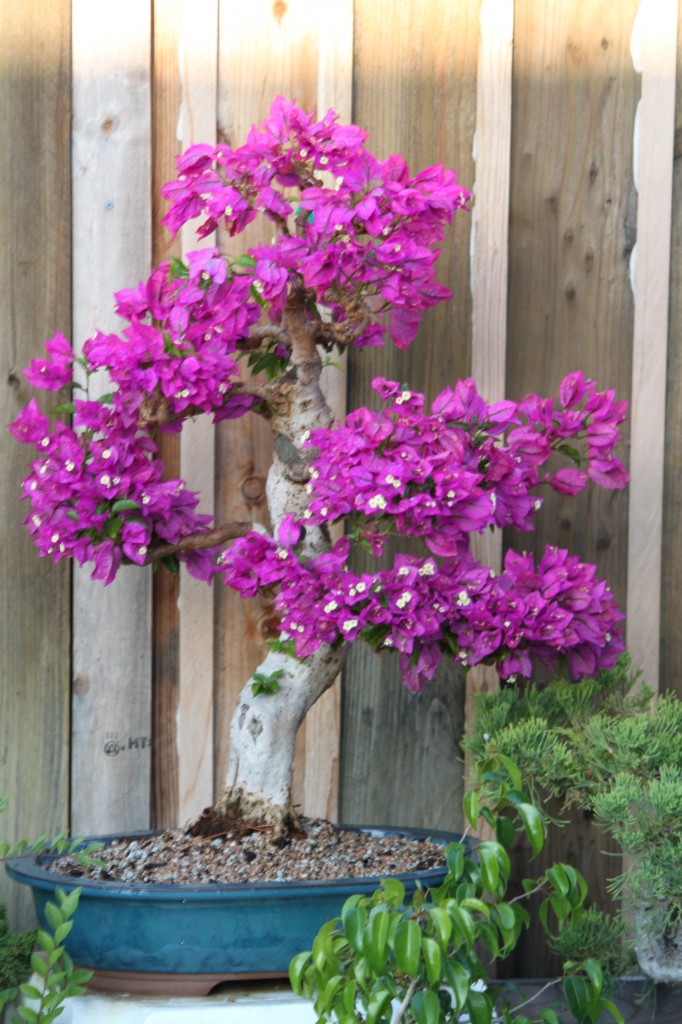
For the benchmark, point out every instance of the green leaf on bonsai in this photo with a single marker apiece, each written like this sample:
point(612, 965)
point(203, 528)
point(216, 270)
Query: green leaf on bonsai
point(124, 505)
point(266, 684)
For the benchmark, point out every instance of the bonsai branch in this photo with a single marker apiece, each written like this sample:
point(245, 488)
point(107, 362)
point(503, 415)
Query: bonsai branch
point(200, 541)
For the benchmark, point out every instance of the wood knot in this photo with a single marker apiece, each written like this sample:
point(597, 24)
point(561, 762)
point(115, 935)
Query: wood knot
point(279, 9)
point(253, 489)
point(81, 684)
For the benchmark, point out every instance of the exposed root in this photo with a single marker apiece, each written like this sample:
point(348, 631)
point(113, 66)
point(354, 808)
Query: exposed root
point(256, 813)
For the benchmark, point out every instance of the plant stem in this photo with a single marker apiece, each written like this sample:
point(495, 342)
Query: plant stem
point(400, 1012)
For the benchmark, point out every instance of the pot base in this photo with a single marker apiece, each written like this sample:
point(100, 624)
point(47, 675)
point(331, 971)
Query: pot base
point(157, 983)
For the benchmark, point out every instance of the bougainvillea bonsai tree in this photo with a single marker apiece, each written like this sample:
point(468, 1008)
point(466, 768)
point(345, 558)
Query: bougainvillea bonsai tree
point(351, 263)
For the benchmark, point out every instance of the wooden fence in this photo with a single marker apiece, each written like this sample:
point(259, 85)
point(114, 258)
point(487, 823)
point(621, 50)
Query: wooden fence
point(560, 115)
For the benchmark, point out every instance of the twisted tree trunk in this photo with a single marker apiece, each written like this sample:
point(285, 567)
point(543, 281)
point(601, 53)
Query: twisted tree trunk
point(263, 729)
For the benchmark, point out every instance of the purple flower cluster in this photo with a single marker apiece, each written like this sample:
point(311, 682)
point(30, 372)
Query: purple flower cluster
point(185, 322)
point(363, 242)
point(464, 466)
point(425, 607)
point(97, 493)
point(442, 476)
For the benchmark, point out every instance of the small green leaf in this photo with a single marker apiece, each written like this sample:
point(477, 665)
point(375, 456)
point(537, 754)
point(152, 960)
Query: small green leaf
point(505, 831)
point(112, 527)
point(53, 915)
point(425, 1008)
point(611, 1008)
point(490, 873)
point(432, 959)
point(68, 902)
point(354, 923)
point(124, 505)
point(575, 991)
point(244, 262)
point(38, 965)
point(350, 996)
point(324, 1001)
point(594, 972)
point(45, 941)
point(532, 823)
point(471, 807)
point(458, 979)
point(473, 903)
point(178, 269)
point(375, 942)
point(266, 684)
point(63, 930)
point(64, 407)
point(454, 858)
point(479, 1007)
point(395, 891)
point(442, 924)
point(407, 947)
point(464, 930)
point(378, 1003)
point(572, 453)
point(512, 771)
point(30, 991)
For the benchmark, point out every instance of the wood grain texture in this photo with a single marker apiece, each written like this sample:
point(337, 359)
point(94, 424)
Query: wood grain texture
point(111, 724)
point(320, 783)
point(573, 210)
point(572, 229)
point(304, 53)
point(654, 47)
point(489, 252)
point(415, 93)
point(198, 57)
point(166, 98)
point(671, 578)
point(35, 229)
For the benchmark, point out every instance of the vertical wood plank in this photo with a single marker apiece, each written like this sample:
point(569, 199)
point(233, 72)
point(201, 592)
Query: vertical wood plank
point(654, 46)
point(320, 783)
point(35, 229)
point(489, 250)
point(198, 56)
point(111, 727)
point(572, 229)
point(671, 600)
point(266, 49)
point(166, 98)
point(415, 93)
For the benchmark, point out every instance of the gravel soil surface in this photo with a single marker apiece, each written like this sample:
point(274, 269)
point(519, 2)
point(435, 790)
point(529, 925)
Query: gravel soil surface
point(222, 850)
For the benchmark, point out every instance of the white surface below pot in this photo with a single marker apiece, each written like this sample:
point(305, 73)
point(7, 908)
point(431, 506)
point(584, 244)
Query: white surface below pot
point(269, 1003)
point(262, 1003)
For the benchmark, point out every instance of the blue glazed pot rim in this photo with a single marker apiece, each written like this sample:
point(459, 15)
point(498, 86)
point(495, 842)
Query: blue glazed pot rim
point(29, 870)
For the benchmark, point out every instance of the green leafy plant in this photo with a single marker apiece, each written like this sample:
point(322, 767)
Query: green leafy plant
point(15, 953)
point(425, 959)
point(598, 935)
point(613, 750)
point(53, 975)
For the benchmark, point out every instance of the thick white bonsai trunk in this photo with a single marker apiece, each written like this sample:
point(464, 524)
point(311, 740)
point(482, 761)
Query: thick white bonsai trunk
point(263, 736)
point(263, 729)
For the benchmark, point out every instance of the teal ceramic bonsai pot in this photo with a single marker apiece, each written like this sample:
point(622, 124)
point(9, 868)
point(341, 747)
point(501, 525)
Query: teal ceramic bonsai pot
point(170, 939)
